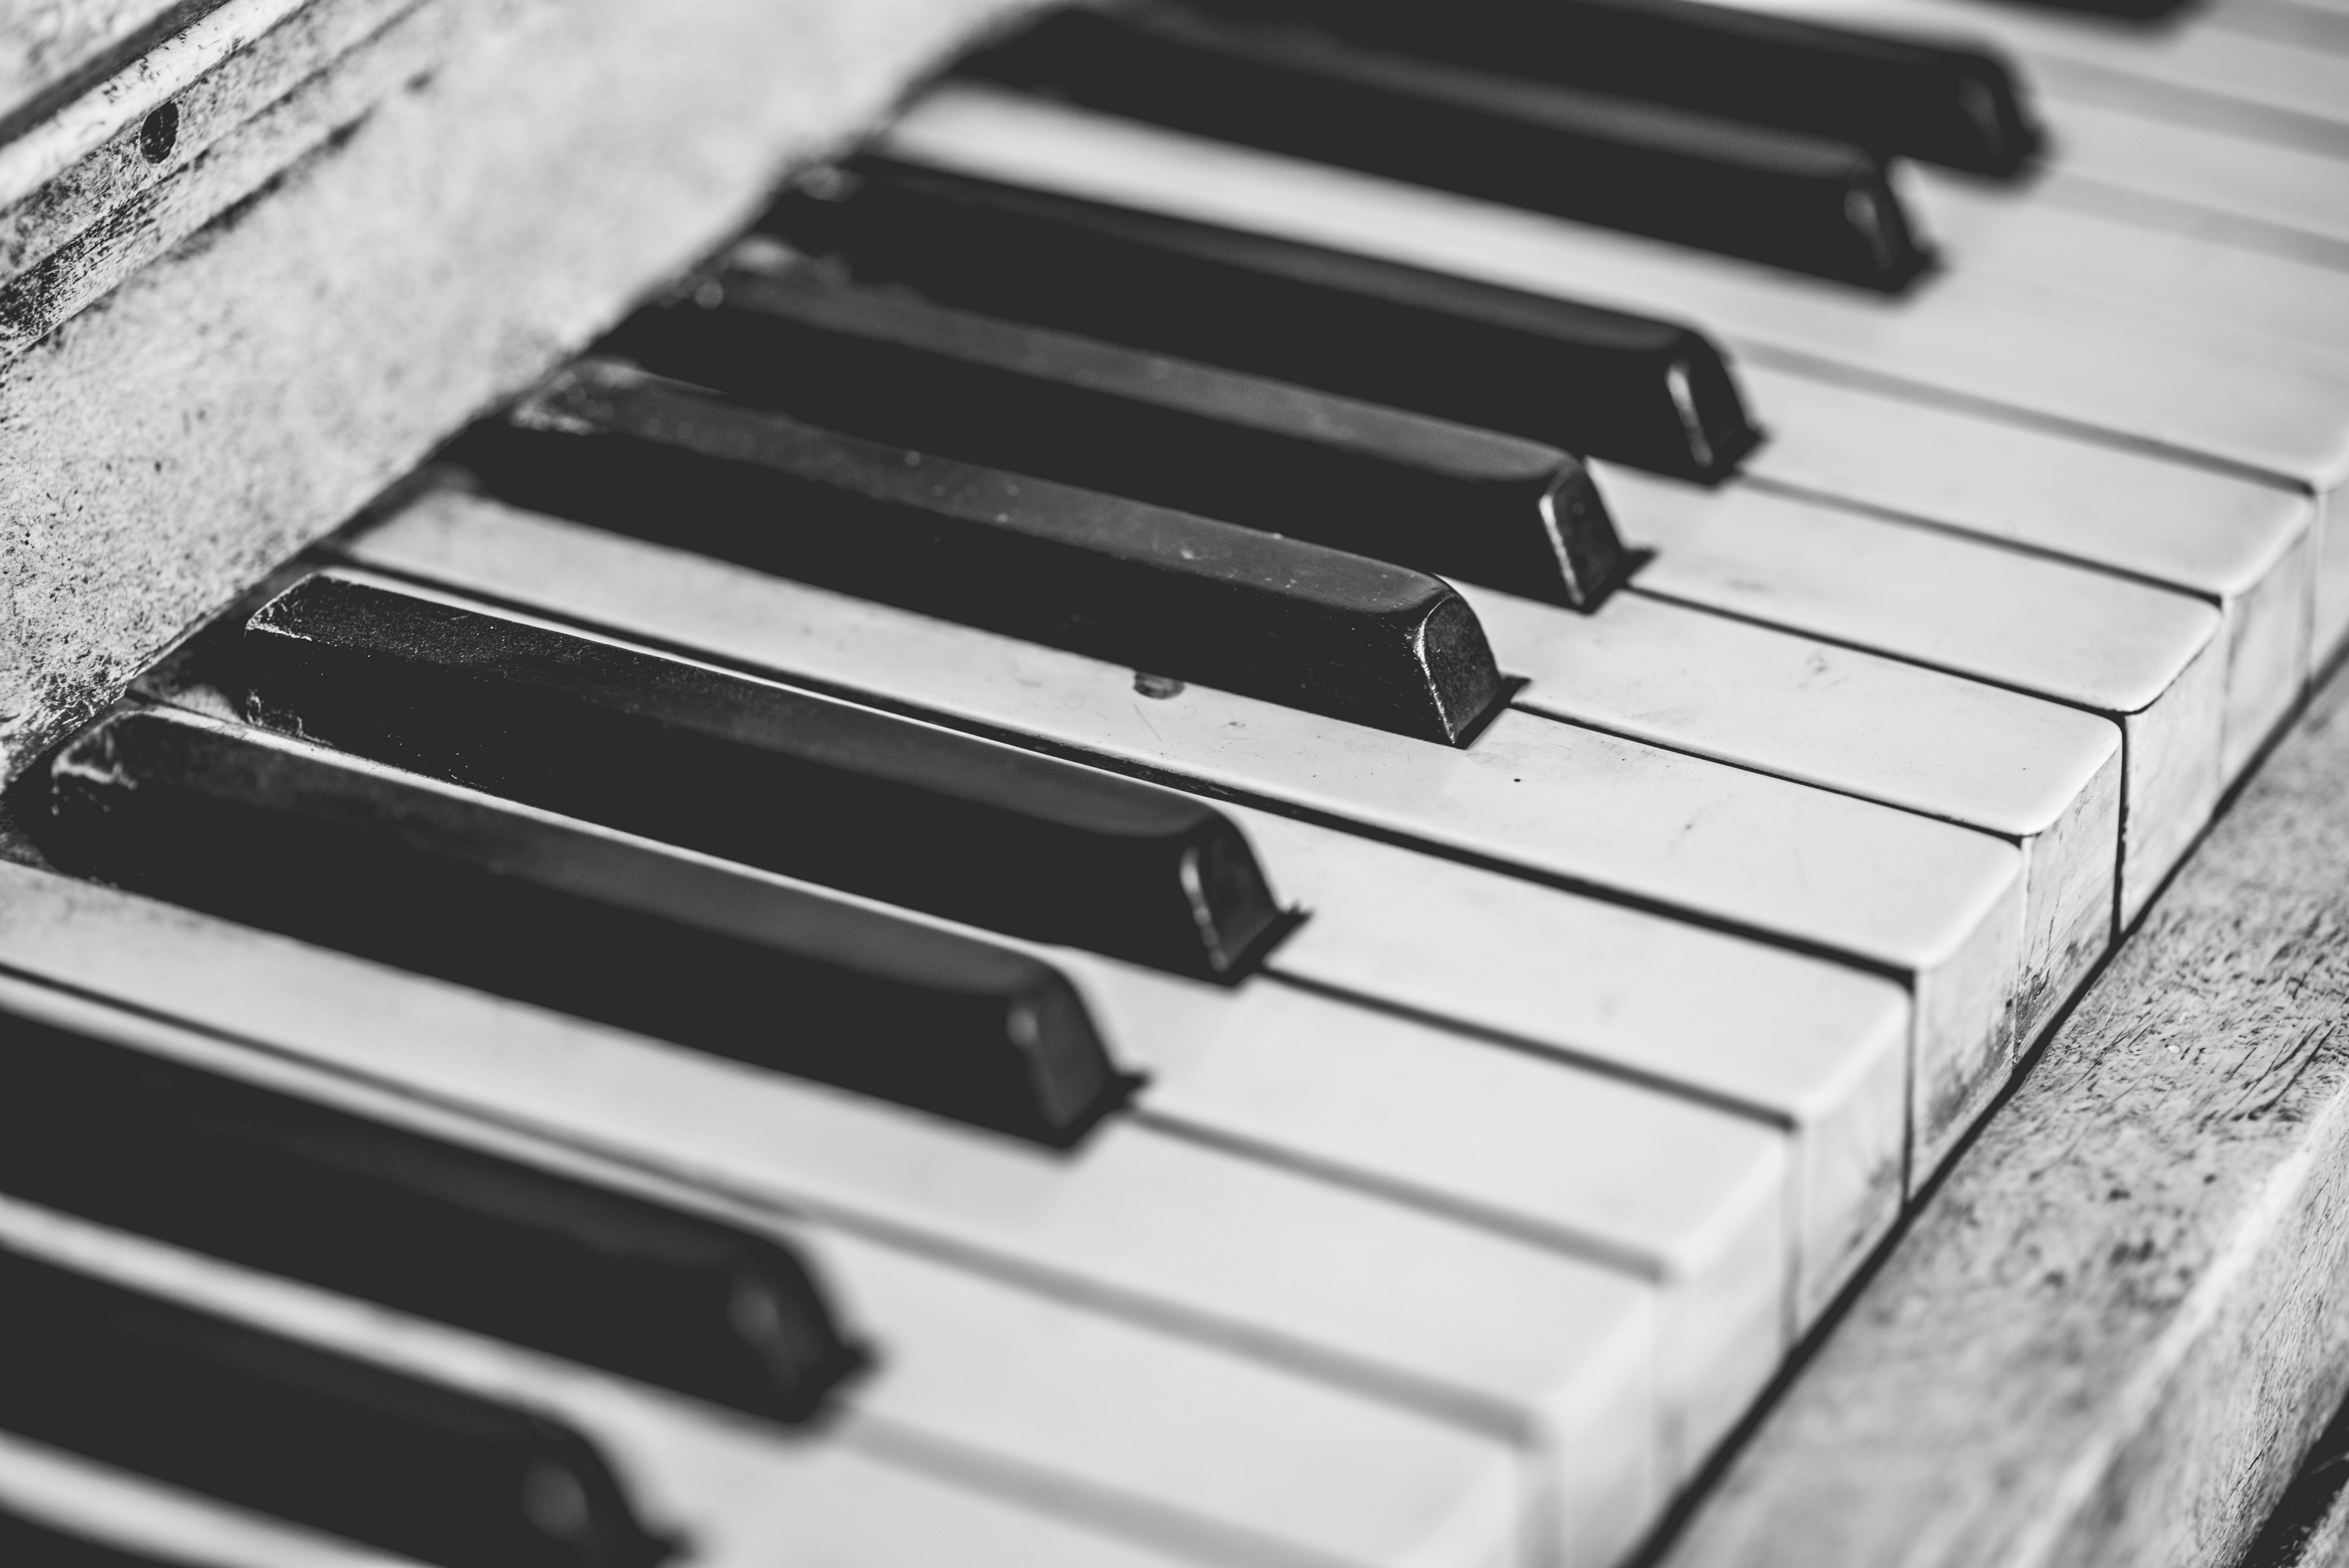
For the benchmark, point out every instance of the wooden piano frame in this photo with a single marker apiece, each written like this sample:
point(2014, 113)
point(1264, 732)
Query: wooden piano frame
point(2106, 1336)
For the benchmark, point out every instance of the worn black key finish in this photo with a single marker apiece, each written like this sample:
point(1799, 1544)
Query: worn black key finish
point(256, 828)
point(1643, 392)
point(1163, 592)
point(1946, 103)
point(1418, 491)
point(300, 1433)
point(1787, 197)
point(819, 789)
point(285, 1185)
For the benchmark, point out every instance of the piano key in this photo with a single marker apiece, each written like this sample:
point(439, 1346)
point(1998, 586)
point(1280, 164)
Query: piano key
point(1540, 1350)
point(280, 1183)
point(1955, 105)
point(1693, 1197)
point(2150, 660)
point(1980, 342)
point(2291, 191)
point(816, 789)
point(1145, 1420)
point(261, 828)
point(2177, 275)
point(1740, 849)
point(1399, 487)
point(1640, 390)
point(60, 1511)
point(1789, 198)
point(2080, 59)
point(1797, 1043)
point(1672, 1190)
point(1168, 1030)
point(2251, 550)
point(734, 1495)
point(2045, 777)
point(289, 1429)
point(1182, 597)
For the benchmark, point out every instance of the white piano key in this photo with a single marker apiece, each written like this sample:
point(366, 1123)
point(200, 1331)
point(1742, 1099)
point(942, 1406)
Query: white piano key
point(1675, 1189)
point(2148, 658)
point(2183, 56)
point(1938, 906)
point(1524, 1344)
point(2045, 777)
point(1145, 1420)
point(2294, 190)
point(2028, 348)
point(1693, 1197)
point(2250, 549)
point(742, 1494)
point(1687, 1196)
point(2177, 275)
point(1795, 1042)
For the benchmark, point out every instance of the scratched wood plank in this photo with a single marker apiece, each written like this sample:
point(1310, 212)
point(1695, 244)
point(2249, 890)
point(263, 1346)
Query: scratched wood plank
point(264, 335)
point(2110, 1335)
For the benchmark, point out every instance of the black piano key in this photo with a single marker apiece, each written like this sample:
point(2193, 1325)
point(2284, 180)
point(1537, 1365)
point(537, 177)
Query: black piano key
point(1643, 392)
point(1953, 104)
point(291, 1187)
point(1421, 492)
point(262, 829)
point(1790, 199)
point(1166, 593)
point(818, 788)
point(28, 1543)
point(300, 1433)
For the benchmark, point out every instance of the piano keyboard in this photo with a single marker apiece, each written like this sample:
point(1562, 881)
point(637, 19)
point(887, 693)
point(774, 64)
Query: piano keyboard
point(1256, 802)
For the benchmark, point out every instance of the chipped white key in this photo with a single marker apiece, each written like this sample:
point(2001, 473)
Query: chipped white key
point(1131, 1423)
point(1525, 1343)
point(1813, 1047)
point(1938, 906)
point(2032, 350)
point(2150, 659)
point(2045, 777)
point(2251, 550)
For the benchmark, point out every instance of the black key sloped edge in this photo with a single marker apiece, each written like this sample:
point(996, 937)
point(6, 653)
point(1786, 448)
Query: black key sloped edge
point(257, 827)
point(1963, 106)
point(1784, 198)
point(813, 787)
point(1422, 493)
point(1650, 394)
point(301, 1433)
point(1159, 590)
point(280, 1184)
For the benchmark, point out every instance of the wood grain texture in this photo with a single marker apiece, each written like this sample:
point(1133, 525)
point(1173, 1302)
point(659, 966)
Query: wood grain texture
point(517, 173)
point(2111, 1334)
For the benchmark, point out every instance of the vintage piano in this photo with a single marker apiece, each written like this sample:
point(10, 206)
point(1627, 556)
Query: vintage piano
point(1261, 782)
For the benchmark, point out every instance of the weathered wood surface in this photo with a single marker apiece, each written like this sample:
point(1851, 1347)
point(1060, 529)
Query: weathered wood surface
point(414, 229)
point(48, 46)
point(2112, 1333)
